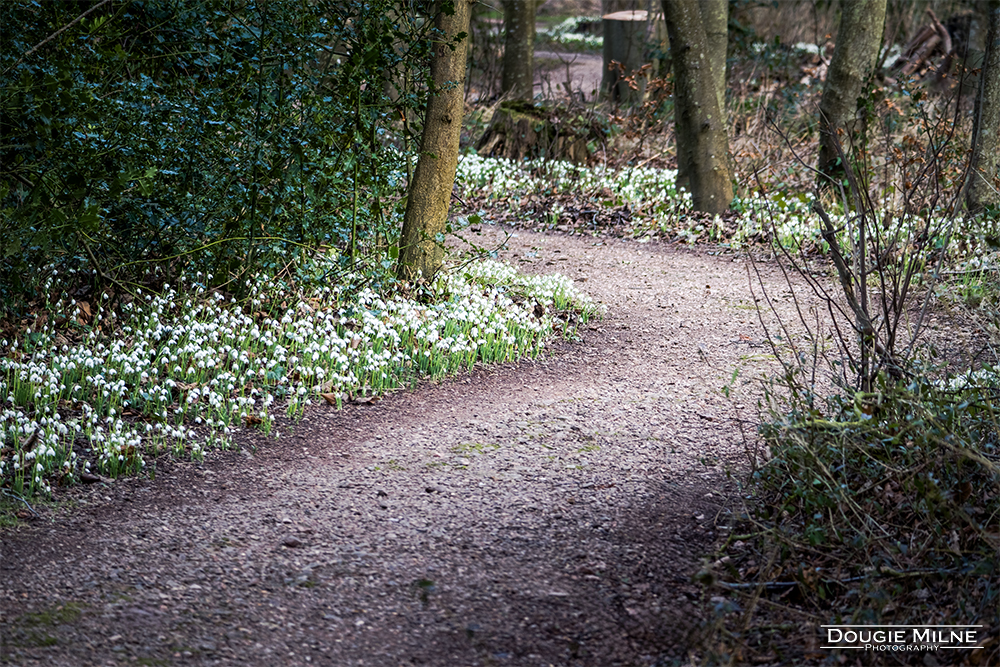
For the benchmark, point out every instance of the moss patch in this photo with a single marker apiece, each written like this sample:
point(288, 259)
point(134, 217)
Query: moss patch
point(35, 629)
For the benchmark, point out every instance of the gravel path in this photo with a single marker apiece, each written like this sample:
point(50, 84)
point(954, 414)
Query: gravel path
point(541, 513)
point(583, 71)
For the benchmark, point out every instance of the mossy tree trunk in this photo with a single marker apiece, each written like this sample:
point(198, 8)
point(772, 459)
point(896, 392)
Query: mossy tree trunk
point(858, 39)
point(702, 143)
point(519, 49)
point(521, 130)
point(421, 247)
point(986, 132)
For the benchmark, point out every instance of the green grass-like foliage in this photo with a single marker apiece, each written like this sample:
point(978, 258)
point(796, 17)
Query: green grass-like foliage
point(889, 505)
point(180, 370)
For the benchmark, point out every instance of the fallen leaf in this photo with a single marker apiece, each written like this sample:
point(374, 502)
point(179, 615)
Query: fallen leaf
point(955, 544)
point(253, 420)
point(964, 491)
point(332, 399)
point(30, 443)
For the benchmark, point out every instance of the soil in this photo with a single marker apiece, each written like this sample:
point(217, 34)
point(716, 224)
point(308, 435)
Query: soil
point(546, 512)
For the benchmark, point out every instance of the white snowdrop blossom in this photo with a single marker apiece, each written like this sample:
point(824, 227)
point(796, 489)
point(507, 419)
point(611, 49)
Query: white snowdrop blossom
point(186, 366)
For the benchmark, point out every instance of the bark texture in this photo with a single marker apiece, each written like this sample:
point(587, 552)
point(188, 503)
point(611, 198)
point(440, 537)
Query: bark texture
point(521, 130)
point(715, 18)
point(420, 251)
point(702, 144)
point(624, 43)
point(858, 38)
point(611, 6)
point(518, 49)
point(986, 132)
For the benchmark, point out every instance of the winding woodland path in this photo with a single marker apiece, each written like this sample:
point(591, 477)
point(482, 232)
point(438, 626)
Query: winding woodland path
point(541, 513)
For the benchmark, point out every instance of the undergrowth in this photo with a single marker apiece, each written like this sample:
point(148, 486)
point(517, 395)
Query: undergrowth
point(874, 496)
point(89, 389)
point(882, 508)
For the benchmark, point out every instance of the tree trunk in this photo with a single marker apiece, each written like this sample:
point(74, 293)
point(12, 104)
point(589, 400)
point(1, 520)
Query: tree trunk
point(702, 144)
point(612, 6)
point(624, 43)
point(518, 49)
point(421, 250)
point(520, 130)
point(715, 19)
point(858, 39)
point(983, 189)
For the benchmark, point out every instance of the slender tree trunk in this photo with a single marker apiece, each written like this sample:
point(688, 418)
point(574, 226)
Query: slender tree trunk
point(986, 131)
point(858, 39)
point(702, 144)
point(715, 19)
point(421, 249)
point(519, 49)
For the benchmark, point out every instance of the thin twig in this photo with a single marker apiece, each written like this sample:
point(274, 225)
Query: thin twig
point(58, 32)
point(17, 497)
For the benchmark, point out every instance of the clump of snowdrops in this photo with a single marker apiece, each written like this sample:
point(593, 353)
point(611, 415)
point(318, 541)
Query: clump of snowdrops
point(179, 370)
point(572, 33)
point(649, 192)
point(658, 205)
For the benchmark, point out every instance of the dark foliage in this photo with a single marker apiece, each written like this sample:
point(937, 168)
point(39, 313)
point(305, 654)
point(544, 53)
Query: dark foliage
point(228, 134)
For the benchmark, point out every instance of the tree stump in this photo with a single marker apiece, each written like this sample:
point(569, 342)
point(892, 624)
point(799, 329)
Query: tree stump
point(522, 130)
point(625, 44)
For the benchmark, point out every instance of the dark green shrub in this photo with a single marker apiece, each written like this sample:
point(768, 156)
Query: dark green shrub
point(228, 134)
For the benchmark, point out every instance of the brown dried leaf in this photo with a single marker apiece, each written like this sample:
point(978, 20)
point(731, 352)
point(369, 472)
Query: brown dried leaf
point(964, 491)
point(331, 398)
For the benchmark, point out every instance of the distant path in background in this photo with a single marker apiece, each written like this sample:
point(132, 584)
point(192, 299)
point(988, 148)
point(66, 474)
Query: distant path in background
point(584, 73)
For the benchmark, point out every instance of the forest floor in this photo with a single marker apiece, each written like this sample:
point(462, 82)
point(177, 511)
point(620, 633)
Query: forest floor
point(546, 512)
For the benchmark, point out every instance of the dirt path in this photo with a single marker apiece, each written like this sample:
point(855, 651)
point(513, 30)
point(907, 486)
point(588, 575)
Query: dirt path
point(541, 513)
point(582, 71)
